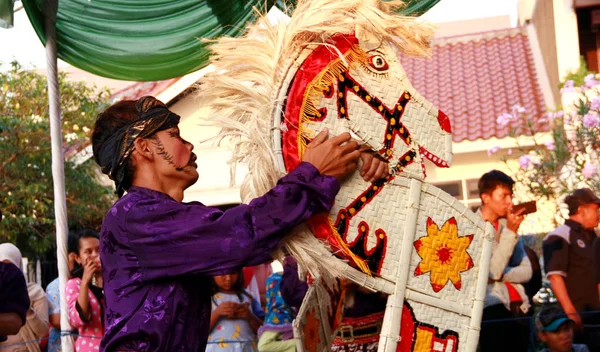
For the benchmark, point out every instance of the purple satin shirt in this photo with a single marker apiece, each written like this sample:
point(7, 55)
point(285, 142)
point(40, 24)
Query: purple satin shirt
point(158, 256)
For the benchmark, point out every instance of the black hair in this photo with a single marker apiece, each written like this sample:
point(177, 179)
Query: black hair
point(108, 123)
point(548, 315)
point(489, 181)
point(74, 246)
point(238, 287)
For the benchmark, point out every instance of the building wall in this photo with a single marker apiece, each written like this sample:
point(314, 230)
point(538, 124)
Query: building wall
point(567, 37)
point(543, 20)
point(525, 11)
point(555, 23)
point(214, 186)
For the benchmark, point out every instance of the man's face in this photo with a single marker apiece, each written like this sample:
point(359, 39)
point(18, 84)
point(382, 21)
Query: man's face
point(174, 157)
point(560, 340)
point(499, 201)
point(589, 215)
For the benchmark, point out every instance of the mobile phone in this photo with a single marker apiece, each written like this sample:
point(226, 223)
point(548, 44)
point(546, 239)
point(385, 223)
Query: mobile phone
point(530, 207)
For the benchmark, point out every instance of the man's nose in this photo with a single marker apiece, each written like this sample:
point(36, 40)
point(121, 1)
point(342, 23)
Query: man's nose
point(189, 145)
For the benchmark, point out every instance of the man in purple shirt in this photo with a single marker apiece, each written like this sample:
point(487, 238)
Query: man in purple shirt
point(158, 253)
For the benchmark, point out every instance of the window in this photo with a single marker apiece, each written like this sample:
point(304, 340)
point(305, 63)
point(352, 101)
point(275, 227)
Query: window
point(454, 189)
point(466, 191)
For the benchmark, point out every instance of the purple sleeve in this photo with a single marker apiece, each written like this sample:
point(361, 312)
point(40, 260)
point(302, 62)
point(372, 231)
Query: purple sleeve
point(257, 309)
point(14, 297)
point(292, 288)
point(179, 238)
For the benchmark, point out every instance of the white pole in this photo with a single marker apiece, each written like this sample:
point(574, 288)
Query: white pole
point(58, 167)
point(390, 330)
point(482, 282)
point(38, 272)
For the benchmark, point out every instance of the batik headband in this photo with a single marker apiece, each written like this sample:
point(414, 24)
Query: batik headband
point(154, 116)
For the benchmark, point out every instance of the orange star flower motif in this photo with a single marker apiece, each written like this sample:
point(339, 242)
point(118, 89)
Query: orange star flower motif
point(443, 254)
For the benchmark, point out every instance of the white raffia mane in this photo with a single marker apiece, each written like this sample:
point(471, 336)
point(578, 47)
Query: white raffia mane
point(249, 72)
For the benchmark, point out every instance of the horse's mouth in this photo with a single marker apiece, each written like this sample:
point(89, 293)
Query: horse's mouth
point(369, 142)
point(432, 157)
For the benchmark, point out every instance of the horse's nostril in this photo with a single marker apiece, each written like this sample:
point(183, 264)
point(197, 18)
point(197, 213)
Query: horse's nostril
point(444, 122)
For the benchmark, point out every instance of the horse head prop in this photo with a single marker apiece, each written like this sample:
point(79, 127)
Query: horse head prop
point(359, 86)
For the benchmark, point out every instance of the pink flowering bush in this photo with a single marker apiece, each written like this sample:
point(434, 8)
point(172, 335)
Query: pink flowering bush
point(563, 150)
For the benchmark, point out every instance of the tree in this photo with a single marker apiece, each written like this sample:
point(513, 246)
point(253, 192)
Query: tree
point(26, 185)
point(570, 157)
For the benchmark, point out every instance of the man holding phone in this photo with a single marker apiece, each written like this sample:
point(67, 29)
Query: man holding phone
point(569, 260)
point(509, 268)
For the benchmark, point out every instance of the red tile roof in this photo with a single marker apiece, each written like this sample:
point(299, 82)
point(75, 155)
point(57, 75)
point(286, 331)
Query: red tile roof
point(478, 77)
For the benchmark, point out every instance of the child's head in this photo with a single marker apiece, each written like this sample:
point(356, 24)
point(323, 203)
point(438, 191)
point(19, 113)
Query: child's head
point(555, 329)
point(85, 246)
point(229, 283)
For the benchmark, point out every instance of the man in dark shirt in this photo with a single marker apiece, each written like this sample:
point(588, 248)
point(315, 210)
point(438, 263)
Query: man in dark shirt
point(568, 258)
point(14, 300)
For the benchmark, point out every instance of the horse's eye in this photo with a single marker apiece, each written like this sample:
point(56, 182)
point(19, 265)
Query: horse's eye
point(378, 62)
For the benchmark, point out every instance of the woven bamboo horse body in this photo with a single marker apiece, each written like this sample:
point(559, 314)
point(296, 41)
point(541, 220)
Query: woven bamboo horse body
point(334, 65)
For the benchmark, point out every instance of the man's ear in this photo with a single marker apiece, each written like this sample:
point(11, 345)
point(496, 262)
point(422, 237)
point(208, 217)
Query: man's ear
point(541, 336)
point(485, 198)
point(77, 259)
point(142, 148)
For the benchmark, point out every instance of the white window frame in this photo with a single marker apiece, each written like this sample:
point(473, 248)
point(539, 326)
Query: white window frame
point(469, 202)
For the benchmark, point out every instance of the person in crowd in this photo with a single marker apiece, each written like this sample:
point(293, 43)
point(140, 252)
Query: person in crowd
point(510, 268)
point(292, 288)
point(84, 292)
point(555, 330)
point(14, 300)
point(535, 283)
point(53, 293)
point(568, 260)
point(255, 279)
point(362, 312)
point(277, 333)
point(36, 323)
point(159, 253)
point(362, 319)
point(235, 317)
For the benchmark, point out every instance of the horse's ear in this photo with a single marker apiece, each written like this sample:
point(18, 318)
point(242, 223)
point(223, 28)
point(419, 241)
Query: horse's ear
point(366, 39)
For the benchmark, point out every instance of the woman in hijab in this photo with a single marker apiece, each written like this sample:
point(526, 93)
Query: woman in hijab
point(36, 326)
